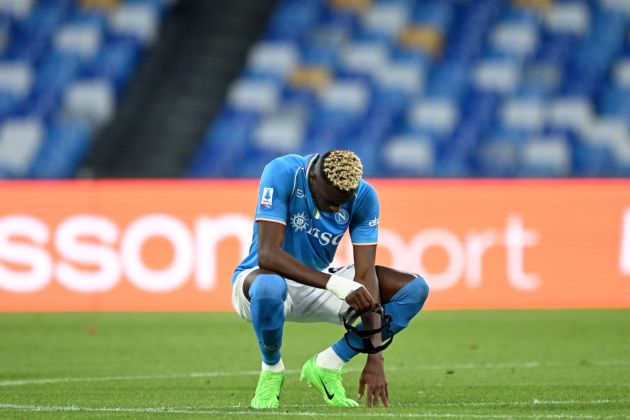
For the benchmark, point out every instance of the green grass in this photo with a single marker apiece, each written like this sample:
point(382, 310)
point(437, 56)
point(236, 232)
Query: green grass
point(459, 364)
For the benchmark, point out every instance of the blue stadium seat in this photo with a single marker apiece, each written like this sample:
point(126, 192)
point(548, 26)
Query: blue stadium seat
point(51, 52)
point(293, 20)
point(409, 156)
point(20, 139)
point(545, 157)
point(438, 15)
point(615, 102)
point(116, 61)
point(492, 88)
point(437, 116)
point(9, 102)
point(64, 148)
point(42, 103)
point(497, 158)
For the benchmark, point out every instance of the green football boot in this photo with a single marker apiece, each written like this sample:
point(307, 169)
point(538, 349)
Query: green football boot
point(328, 383)
point(267, 393)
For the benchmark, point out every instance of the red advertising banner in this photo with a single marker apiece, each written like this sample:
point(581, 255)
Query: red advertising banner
point(172, 245)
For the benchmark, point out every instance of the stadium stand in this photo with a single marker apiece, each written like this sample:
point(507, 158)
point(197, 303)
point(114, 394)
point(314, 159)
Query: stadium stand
point(449, 88)
point(484, 88)
point(179, 87)
point(63, 68)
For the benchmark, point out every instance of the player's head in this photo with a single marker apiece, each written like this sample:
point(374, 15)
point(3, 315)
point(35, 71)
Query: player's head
point(335, 178)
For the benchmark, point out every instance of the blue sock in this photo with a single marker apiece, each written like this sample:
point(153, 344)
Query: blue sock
point(267, 296)
point(403, 306)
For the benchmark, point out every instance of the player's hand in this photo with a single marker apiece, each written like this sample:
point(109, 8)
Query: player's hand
point(355, 294)
point(373, 376)
point(361, 299)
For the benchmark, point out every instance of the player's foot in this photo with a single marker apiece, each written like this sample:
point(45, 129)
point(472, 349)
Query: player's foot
point(328, 383)
point(267, 393)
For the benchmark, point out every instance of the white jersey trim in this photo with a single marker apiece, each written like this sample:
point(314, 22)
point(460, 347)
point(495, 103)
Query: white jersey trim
point(263, 219)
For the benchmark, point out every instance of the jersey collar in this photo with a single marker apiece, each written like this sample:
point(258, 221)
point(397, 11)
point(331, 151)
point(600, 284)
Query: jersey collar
point(310, 163)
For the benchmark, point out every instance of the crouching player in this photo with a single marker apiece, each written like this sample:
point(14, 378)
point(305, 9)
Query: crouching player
point(305, 205)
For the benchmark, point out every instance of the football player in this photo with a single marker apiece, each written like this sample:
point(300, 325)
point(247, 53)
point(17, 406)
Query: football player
point(305, 205)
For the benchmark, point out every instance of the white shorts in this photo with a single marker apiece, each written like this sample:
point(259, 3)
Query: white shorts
point(303, 304)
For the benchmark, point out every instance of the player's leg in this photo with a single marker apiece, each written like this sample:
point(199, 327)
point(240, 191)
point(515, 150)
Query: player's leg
point(267, 293)
point(320, 305)
point(403, 296)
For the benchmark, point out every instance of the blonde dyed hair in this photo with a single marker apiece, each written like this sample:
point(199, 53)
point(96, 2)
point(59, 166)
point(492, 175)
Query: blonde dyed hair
point(343, 169)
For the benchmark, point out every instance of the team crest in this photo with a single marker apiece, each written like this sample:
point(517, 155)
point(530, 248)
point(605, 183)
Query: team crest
point(342, 217)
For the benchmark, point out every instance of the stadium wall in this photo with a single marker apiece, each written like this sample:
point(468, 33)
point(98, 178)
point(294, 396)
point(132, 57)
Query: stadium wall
point(172, 245)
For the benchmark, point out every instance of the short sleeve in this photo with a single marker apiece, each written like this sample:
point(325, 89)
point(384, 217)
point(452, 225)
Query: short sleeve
point(365, 214)
point(274, 192)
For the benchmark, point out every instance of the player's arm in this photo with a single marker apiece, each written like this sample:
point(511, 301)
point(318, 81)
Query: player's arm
point(365, 274)
point(373, 376)
point(364, 234)
point(272, 257)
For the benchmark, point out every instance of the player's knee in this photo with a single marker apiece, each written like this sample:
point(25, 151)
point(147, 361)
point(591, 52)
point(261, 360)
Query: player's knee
point(419, 290)
point(414, 294)
point(269, 287)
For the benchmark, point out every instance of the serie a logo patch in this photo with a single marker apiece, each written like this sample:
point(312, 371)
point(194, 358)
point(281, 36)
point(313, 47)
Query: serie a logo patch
point(266, 201)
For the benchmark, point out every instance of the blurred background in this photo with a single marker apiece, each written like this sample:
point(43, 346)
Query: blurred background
point(203, 89)
point(496, 133)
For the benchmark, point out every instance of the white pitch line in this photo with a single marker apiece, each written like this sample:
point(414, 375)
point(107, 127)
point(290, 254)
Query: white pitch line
point(198, 411)
point(124, 378)
point(534, 402)
point(524, 365)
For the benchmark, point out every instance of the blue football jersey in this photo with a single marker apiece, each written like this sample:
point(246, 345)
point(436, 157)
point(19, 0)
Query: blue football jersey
point(311, 235)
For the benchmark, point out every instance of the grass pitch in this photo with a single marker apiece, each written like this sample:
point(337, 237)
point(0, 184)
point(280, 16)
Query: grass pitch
point(460, 364)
